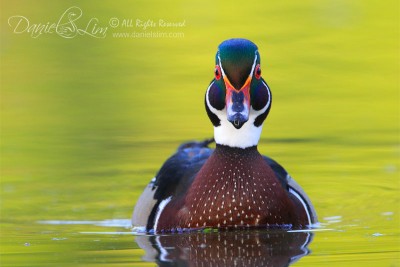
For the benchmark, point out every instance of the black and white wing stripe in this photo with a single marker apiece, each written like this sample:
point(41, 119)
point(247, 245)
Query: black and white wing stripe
point(176, 175)
point(294, 189)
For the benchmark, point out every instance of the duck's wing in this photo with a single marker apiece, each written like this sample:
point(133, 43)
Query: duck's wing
point(176, 175)
point(294, 189)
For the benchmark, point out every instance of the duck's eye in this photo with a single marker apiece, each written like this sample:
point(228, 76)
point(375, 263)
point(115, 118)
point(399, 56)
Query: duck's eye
point(257, 72)
point(217, 72)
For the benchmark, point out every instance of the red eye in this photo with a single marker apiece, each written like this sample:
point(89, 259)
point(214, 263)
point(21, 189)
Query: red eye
point(257, 72)
point(217, 72)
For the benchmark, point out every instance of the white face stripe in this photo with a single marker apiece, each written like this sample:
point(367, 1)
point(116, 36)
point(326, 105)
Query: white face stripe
point(220, 66)
point(213, 110)
point(252, 68)
point(254, 64)
point(269, 97)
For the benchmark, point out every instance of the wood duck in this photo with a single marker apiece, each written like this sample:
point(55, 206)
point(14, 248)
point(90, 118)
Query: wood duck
point(233, 185)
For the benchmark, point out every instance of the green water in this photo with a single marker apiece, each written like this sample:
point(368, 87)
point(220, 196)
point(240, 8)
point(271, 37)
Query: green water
point(86, 122)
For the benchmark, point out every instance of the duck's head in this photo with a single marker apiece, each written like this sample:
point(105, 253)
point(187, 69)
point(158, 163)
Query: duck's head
point(238, 99)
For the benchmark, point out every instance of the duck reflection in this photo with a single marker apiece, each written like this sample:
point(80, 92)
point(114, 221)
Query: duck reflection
point(249, 248)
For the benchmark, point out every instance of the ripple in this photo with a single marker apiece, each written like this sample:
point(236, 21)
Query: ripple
point(125, 223)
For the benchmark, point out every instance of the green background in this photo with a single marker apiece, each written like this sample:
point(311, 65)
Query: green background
point(86, 122)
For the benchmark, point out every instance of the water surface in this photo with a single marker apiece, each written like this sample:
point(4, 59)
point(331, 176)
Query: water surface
point(86, 123)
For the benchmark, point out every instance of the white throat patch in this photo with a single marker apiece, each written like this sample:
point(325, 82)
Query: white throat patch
point(226, 134)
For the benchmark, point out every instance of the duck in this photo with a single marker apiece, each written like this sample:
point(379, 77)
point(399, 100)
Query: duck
point(230, 186)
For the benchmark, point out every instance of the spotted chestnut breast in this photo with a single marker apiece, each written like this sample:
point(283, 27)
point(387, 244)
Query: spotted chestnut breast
point(234, 188)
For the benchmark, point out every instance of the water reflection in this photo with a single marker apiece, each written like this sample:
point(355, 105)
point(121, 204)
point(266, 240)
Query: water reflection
point(249, 248)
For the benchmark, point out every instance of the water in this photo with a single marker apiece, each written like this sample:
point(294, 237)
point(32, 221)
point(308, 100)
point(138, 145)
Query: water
point(87, 122)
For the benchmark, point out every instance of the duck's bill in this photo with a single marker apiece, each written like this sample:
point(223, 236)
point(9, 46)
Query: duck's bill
point(238, 103)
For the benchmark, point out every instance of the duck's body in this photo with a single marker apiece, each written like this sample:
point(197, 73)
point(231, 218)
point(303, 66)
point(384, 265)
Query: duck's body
point(232, 186)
